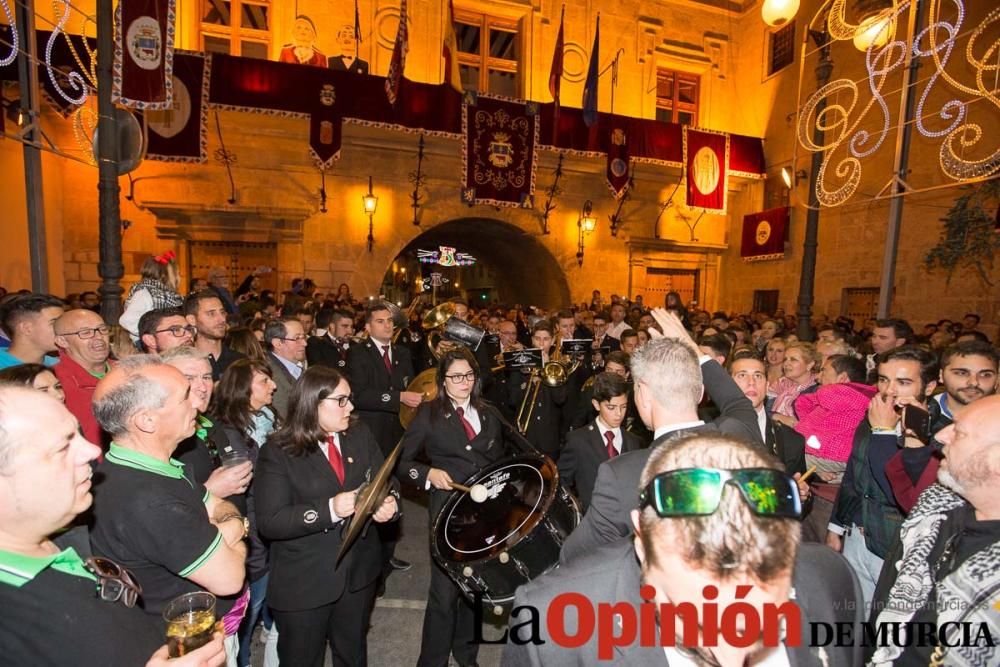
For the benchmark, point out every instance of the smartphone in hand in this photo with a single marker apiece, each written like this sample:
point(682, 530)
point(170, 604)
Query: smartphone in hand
point(916, 423)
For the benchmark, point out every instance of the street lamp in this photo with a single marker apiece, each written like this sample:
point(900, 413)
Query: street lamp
point(791, 179)
point(778, 12)
point(585, 224)
point(371, 203)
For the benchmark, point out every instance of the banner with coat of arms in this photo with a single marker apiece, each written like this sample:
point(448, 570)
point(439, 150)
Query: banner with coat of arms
point(618, 161)
point(499, 145)
point(765, 234)
point(178, 133)
point(706, 161)
point(144, 53)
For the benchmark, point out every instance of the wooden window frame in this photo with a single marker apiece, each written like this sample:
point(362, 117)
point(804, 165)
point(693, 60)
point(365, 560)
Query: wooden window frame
point(483, 60)
point(772, 38)
point(674, 105)
point(234, 32)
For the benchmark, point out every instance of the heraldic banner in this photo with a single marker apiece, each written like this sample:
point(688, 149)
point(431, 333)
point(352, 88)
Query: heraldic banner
point(499, 145)
point(618, 160)
point(144, 53)
point(178, 133)
point(765, 234)
point(706, 160)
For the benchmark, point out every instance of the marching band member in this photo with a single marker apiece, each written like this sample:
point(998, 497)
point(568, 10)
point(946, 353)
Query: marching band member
point(543, 429)
point(460, 434)
point(306, 484)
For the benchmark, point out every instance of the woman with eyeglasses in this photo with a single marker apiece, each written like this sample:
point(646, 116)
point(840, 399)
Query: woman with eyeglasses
point(305, 487)
point(241, 409)
point(460, 434)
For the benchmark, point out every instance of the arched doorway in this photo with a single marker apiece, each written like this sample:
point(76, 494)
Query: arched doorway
point(511, 266)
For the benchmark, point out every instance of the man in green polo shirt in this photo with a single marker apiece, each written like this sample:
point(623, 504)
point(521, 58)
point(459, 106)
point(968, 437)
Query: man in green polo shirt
point(55, 610)
point(151, 516)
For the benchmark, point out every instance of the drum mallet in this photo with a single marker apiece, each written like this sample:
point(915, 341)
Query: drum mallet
point(477, 492)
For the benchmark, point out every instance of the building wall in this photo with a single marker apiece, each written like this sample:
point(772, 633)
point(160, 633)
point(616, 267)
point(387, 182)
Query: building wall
point(277, 188)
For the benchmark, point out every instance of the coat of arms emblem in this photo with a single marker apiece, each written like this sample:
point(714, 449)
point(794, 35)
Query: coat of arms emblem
point(501, 150)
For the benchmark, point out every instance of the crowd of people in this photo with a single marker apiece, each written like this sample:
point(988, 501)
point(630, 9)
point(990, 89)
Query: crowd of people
point(215, 441)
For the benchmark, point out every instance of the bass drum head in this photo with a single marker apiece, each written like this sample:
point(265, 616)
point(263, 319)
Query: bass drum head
point(519, 493)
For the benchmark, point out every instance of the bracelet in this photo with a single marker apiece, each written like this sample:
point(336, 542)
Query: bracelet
point(242, 519)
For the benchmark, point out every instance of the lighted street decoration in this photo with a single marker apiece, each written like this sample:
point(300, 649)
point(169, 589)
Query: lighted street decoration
point(858, 118)
point(434, 281)
point(445, 256)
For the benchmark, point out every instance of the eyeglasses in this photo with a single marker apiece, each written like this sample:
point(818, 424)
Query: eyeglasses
point(84, 334)
point(698, 492)
point(178, 330)
point(296, 339)
point(459, 378)
point(342, 401)
point(114, 582)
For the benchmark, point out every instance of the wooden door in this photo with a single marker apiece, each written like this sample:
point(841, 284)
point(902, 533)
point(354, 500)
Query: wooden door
point(656, 282)
point(237, 257)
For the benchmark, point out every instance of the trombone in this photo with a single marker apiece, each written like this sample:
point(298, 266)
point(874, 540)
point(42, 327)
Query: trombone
point(553, 374)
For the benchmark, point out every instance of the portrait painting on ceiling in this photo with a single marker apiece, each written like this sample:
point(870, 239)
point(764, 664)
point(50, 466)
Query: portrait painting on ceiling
point(348, 59)
point(303, 49)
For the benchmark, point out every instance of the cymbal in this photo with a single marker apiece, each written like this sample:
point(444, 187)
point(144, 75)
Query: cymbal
point(425, 383)
point(369, 499)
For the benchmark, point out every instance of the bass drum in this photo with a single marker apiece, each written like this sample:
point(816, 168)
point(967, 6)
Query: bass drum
point(511, 537)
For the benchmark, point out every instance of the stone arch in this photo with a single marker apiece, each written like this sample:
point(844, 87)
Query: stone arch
point(527, 271)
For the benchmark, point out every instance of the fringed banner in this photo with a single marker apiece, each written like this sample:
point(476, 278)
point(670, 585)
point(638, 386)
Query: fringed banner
point(765, 234)
point(706, 159)
point(178, 133)
point(499, 144)
point(618, 160)
point(144, 53)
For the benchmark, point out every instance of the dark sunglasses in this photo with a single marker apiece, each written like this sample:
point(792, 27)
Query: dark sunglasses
point(698, 492)
point(114, 582)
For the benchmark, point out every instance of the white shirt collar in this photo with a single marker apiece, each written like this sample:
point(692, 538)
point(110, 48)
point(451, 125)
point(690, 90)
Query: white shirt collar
point(663, 430)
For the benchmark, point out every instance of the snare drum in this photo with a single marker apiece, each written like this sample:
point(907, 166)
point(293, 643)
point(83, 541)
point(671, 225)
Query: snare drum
point(513, 536)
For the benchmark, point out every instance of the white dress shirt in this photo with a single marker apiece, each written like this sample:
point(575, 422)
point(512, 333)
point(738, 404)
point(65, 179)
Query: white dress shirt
point(470, 413)
point(603, 428)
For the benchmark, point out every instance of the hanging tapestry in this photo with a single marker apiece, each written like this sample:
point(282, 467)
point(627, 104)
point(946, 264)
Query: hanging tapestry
point(144, 53)
point(765, 234)
point(178, 133)
point(499, 142)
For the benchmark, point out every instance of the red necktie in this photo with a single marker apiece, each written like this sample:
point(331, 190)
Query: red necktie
point(610, 437)
point(469, 431)
point(336, 460)
point(386, 359)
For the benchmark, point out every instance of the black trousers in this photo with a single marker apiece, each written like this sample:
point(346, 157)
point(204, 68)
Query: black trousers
point(449, 620)
point(304, 635)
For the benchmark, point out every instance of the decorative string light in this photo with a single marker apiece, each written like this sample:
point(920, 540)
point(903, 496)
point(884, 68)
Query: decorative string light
point(84, 123)
point(10, 57)
point(75, 79)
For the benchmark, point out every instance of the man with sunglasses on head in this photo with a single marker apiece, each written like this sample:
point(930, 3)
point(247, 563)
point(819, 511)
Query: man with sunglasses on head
point(84, 347)
point(164, 329)
point(712, 511)
point(61, 606)
point(670, 375)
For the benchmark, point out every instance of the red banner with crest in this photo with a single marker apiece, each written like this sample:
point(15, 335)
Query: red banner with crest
point(144, 53)
point(765, 234)
point(706, 163)
point(499, 145)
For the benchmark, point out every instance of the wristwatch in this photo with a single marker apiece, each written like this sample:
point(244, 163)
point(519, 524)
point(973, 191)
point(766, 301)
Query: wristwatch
point(243, 519)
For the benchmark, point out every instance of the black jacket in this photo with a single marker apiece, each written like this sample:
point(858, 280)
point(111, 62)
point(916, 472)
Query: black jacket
point(585, 450)
point(376, 392)
point(292, 498)
point(826, 591)
point(324, 351)
point(544, 428)
point(616, 491)
point(787, 444)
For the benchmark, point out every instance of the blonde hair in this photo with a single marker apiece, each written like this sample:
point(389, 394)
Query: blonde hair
point(733, 541)
point(809, 353)
point(671, 371)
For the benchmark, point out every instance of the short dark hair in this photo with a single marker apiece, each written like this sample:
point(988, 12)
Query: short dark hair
point(373, 308)
point(324, 317)
point(150, 320)
point(900, 328)
point(276, 329)
point(21, 306)
point(608, 385)
point(969, 348)
point(838, 333)
point(718, 343)
point(927, 360)
point(976, 336)
point(543, 325)
point(846, 363)
point(618, 357)
point(192, 302)
point(602, 315)
point(627, 333)
point(565, 315)
point(975, 315)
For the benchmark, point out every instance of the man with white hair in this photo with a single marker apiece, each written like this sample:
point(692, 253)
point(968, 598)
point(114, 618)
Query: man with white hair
point(61, 607)
point(945, 568)
point(668, 385)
